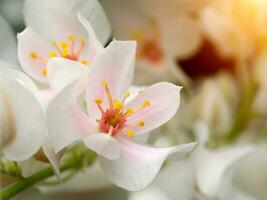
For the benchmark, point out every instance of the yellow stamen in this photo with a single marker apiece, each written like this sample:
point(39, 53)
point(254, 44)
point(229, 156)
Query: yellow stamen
point(104, 83)
point(44, 72)
point(98, 101)
point(117, 104)
point(110, 130)
point(65, 52)
point(141, 123)
point(52, 54)
point(84, 62)
point(130, 133)
point(71, 37)
point(129, 111)
point(33, 55)
point(64, 45)
point(127, 94)
point(146, 103)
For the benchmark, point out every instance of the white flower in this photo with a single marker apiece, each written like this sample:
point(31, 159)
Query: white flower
point(53, 30)
point(22, 118)
point(110, 119)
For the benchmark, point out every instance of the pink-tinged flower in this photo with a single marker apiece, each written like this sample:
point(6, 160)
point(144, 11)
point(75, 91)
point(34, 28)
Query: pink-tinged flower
point(54, 30)
point(111, 122)
point(22, 119)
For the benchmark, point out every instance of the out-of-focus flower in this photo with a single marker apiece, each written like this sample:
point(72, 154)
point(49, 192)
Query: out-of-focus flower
point(110, 119)
point(213, 103)
point(8, 42)
point(246, 178)
point(210, 165)
point(225, 22)
point(22, 118)
point(161, 33)
point(68, 37)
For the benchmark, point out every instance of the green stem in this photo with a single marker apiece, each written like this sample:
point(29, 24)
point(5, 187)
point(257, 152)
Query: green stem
point(83, 158)
point(23, 184)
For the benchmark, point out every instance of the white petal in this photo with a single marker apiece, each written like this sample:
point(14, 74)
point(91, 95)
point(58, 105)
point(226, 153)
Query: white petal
point(51, 155)
point(95, 47)
point(66, 121)
point(8, 42)
point(246, 178)
point(28, 119)
point(31, 42)
point(164, 101)
point(104, 145)
point(138, 165)
point(181, 36)
point(59, 17)
point(61, 72)
point(114, 65)
point(211, 165)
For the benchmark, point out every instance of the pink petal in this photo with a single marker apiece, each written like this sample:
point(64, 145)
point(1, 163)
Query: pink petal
point(104, 145)
point(66, 121)
point(138, 165)
point(114, 65)
point(30, 42)
point(164, 101)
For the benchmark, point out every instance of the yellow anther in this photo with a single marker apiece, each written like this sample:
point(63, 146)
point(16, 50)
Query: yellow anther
point(52, 54)
point(65, 52)
point(104, 83)
point(127, 94)
point(33, 55)
point(84, 62)
point(129, 111)
point(141, 123)
point(98, 101)
point(53, 42)
point(44, 72)
point(146, 103)
point(71, 37)
point(130, 133)
point(64, 45)
point(117, 104)
point(81, 40)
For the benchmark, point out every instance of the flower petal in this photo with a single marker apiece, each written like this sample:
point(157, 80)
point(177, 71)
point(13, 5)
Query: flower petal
point(183, 31)
point(8, 42)
point(164, 101)
point(104, 145)
point(49, 152)
point(114, 65)
point(211, 165)
point(66, 121)
point(61, 72)
point(27, 116)
point(138, 164)
point(246, 178)
point(59, 17)
point(30, 42)
point(95, 47)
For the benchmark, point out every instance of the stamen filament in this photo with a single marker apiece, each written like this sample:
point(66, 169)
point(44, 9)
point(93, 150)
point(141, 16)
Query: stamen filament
point(110, 100)
point(110, 131)
point(81, 47)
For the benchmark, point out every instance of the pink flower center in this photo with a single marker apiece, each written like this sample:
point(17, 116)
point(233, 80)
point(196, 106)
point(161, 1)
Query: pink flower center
point(114, 118)
point(71, 49)
point(150, 50)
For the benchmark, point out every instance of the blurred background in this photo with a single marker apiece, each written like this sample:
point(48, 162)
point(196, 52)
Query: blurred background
point(215, 49)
